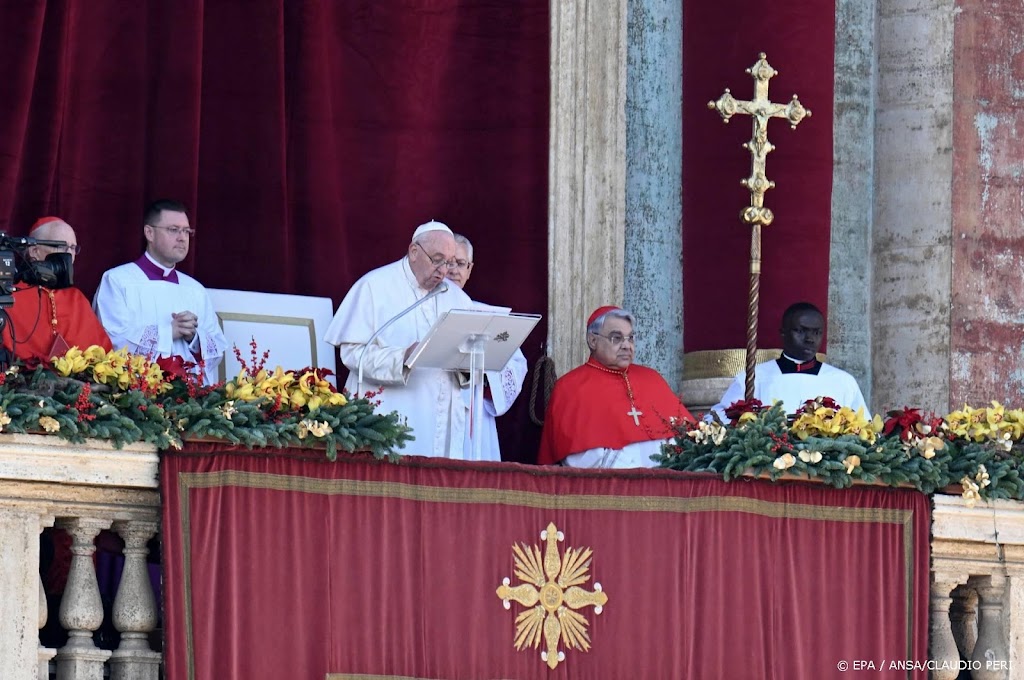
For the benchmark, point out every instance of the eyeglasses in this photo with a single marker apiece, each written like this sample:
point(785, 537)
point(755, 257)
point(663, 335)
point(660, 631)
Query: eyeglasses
point(70, 248)
point(177, 231)
point(462, 264)
point(618, 338)
point(438, 260)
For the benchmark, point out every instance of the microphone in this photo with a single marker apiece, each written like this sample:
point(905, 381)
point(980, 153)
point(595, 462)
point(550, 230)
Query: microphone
point(438, 289)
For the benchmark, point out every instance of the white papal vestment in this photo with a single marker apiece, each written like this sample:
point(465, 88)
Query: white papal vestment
point(429, 399)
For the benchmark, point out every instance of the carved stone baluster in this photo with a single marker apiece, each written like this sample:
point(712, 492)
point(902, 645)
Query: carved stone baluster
point(991, 651)
point(135, 614)
point(963, 614)
point(943, 647)
point(81, 610)
point(45, 654)
point(19, 576)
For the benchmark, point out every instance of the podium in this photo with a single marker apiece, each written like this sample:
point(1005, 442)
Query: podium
point(473, 341)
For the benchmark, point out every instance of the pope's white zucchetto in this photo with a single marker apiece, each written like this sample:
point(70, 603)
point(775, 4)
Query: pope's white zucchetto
point(432, 225)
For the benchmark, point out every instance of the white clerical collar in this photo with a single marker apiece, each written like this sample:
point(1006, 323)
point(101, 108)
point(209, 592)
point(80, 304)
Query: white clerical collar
point(167, 271)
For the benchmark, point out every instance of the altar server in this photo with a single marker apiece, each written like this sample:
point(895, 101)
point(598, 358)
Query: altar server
point(797, 376)
point(152, 308)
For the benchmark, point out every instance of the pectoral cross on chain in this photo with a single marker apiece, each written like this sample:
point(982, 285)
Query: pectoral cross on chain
point(636, 415)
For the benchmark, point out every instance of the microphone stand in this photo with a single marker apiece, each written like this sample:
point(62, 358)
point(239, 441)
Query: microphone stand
point(438, 289)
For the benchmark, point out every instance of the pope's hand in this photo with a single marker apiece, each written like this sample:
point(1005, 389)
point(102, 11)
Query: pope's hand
point(184, 325)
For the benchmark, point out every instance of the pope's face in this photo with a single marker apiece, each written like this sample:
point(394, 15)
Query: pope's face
point(613, 346)
point(460, 275)
point(429, 257)
point(168, 237)
point(802, 334)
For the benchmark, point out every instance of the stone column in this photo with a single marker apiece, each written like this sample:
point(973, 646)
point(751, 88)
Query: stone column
point(45, 654)
point(991, 651)
point(81, 610)
point(586, 187)
point(912, 220)
point(942, 647)
point(135, 614)
point(849, 274)
point(19, 588)
point(653, 287)
point(963, 617)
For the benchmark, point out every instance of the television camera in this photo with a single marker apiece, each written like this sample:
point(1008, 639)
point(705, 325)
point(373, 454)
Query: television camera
point(53, 272)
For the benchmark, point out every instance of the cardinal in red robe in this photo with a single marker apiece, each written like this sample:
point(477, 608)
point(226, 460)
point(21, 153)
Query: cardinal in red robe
point(609, 412)
point(47, 322)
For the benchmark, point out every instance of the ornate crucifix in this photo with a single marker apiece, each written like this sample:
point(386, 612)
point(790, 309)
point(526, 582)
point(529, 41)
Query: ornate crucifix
point(761, 109)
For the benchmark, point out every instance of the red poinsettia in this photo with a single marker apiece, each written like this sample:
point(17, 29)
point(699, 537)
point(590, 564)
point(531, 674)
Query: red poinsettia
point(812, 405)
point(909, 422)
point(175, 367)
point(738, 408)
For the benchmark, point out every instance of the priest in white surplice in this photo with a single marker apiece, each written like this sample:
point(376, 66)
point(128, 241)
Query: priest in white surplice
point(430, 399)
point(797, 375)
point(502, 387)
point(153, 309)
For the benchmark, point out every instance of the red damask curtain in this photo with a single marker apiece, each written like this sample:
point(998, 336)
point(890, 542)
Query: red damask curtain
point(721, 39)
point(276, 566)
point(309, 137)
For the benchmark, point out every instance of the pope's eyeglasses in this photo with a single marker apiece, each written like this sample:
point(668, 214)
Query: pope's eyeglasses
point(437, 260)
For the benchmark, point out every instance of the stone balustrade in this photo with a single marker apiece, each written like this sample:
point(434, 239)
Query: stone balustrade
point(977, 589)
point(81, 489)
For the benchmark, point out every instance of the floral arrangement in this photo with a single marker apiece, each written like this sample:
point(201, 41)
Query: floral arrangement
point(980, 450)
point(126, 398)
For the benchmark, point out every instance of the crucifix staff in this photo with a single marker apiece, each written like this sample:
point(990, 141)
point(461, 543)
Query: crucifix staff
point(760, 109)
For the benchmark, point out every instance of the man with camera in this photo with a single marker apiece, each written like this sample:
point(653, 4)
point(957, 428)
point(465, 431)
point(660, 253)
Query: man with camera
point(155, 310)
point(48, 315)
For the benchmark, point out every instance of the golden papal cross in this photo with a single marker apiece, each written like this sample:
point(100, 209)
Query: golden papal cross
point(761, 109)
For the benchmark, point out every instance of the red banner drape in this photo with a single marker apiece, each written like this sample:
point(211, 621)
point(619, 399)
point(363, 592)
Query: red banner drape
point(277, 566)
point(799, 39)
point(309, 137)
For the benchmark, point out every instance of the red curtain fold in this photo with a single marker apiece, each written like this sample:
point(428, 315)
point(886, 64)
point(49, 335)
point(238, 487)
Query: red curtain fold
point(284, 567)
point(309, 137)
point(719, 43)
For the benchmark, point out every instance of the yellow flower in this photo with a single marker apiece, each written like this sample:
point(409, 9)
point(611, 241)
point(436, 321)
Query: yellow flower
point(95, 354)
point(320, 429)
point(73, 362)
point(227, 409)
point(49, 424)
point(982, 477)
point(746, 417)
point(4, 420)
point(971, 491)
point(851, 463)
point(929, 445)
point(784, 462)
point(810, 456)
point(314, 427)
